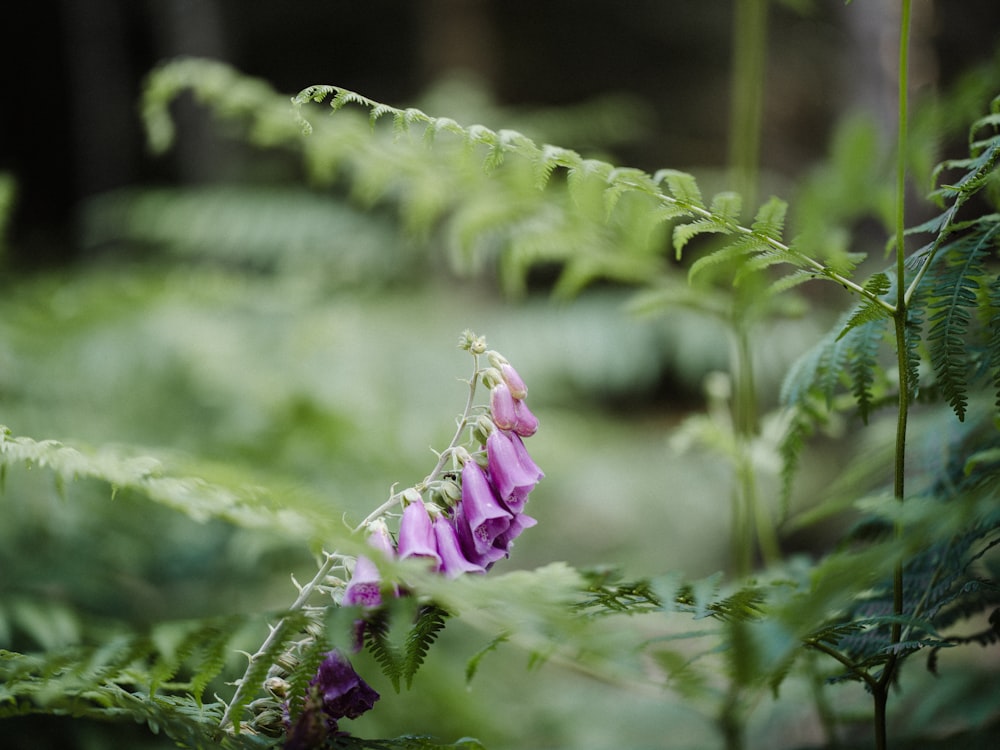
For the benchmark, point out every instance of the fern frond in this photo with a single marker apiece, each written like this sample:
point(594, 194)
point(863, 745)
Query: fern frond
point(844, 355)
point(201, 500)
point(429, 623)
point(950, 290)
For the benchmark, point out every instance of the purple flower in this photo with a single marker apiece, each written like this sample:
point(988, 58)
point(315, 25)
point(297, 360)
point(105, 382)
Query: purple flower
point(416, 535)
point(343, 692)
point(365, 586)
point(480, 513)
point(453, 560)
point(503, 407)
point(525, 423)
point(512, 471)
point(468, 546)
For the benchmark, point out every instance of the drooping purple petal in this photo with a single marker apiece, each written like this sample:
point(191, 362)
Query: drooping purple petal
point(416, 535)
point(342, 690)
point(521, 522)
point(512, 478)
point(503, 407)
point(480, 510)
point(468, 544)
point(453, 560)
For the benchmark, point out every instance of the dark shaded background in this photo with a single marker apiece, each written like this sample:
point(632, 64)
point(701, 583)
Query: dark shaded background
point(72, 72)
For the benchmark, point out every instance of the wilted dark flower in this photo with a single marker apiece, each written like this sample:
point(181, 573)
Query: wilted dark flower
point(343, 692)
point(336, 692)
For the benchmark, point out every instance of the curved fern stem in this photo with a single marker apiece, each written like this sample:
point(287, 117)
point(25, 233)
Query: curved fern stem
point(547, 158)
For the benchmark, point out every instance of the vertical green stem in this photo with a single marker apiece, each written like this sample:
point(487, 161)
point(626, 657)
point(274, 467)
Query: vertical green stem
point(749, 39)
point(880, 692)
point(747, 102)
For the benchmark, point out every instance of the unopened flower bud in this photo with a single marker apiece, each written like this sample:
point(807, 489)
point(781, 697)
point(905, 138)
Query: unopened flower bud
point(278, 687)
point(502, 407)
point(525, 423)
point(411, 496)
point(517, 387)
point(471, 342)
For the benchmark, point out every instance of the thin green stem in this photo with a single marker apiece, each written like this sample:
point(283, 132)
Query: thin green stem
point(463, 423)
point(880, 692)
point(747, 103)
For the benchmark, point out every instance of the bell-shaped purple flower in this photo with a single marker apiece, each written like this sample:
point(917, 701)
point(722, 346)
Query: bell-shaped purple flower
point(365, 586)
point(525, 423)
point(480, 511)
point(343, 692)
point(468, 545)
point(416, 534)
point(453, 560)
point(512, 471)
point(503, 407)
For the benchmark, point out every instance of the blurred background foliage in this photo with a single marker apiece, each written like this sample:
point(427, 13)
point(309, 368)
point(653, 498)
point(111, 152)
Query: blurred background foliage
point(243, 317)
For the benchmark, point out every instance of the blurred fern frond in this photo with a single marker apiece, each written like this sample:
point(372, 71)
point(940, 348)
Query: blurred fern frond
point(243, 505)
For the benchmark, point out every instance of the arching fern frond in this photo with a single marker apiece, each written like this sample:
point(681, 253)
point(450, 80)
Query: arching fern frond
point(246, 505)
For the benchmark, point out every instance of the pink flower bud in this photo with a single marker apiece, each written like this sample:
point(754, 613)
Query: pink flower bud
point(503, 407)
point(525, 423)
point(517, 387)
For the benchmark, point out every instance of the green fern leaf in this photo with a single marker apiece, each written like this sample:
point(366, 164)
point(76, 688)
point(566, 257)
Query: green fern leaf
point(682, 186)
point(429, 623)
point(878, 285)
point(770, 219)
point(951, 292)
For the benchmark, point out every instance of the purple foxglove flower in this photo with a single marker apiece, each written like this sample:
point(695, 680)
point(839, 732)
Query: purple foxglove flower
point(512, 476)
point(502, 407)
point(365, 586)
point(468, 545)
point(525, 423)
point(416, 535)
point(481, 512)
point(453, 560)
point(520, 523)
point(517, 387)
point(343, 692)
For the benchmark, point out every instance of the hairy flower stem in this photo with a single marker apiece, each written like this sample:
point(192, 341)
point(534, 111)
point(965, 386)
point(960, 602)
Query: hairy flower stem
point(277, 631)
point(463, 423)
